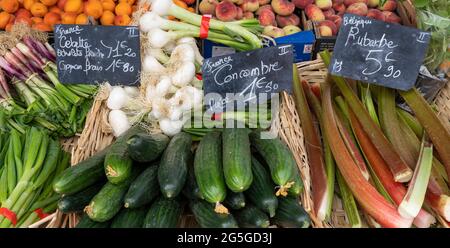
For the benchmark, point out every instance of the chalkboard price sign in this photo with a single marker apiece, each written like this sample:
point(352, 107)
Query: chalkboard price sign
point(88, 54)
point(247, 74)
point(378, 52)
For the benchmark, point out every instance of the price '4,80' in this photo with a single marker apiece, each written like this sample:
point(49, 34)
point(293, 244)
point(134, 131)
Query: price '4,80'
point(375, 65)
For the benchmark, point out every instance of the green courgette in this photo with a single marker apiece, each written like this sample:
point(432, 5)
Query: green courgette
point(174, 165)
point(237, 166)
point(279, 159)
point(234, 200)
point(252, 217)
point(129, 218)
point(143, 189)
point(118, 163)
point(78, 201)
point(290, 214)
point(82, 175)
point(261, 192)
point(191, 189)
point(297, 188)
point(207, 217)
point(147, 147)
point(164, 213)
point(86, 222)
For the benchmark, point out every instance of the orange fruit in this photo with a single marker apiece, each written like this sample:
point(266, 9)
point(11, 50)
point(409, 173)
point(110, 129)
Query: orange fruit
point(4, 19)
point(8, 27)
point(108, 5)
point(130, 2)
point(37, 20)
point(81, 19)
point(93, 8)
point(9, 6)
point(38, 9)
point(180, 3)
point(122, 20)
point(61, 4)
point(56, 10)
point(73, 6)
point(49, 2)
point(68, 18)
point(27, 4)
point(23, 19)
point(42, 27)
point(123, 8)
point(23, 12)
point(52, 18)
point(107, 18)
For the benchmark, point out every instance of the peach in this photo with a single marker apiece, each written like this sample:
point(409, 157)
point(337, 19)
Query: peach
point(350, 2)
point(237, 2)
point(339, 8)
point(376, 14)
point(284, 21)
point(268, 6)
point(273, 32)
point(61, 4)
point(226, 11)
point(358, 9)
point(337, 1)
point(314, 13)
point(337, 20)
point(324, 4)
point(291, 29)
point(240, 13)
point(389, 5)
point(250, 5)
point(325, 31)
point(373, 3)
point(283, 7)
point(207, 7)
point(329, 12)
point(329, 24)
point(248, 15)
point(23, 12)
point(263, 2)
point(301, 4)
point(391, 17)
point(267, 18)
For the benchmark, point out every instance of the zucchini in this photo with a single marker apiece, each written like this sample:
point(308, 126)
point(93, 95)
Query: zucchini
point(261, 192)
point(147, 147)
point(144, 189)
point(86, 222)
point(191, 190)
point(206, 216)
point(174, 165)
point(164, 213)
point(82, 175)
point(252, 217)
point(118, 163)
point(129, 218)
point(279, 159)
point(290, 214)
point(108, 202)
point(208, 170)
point(237, 166)
point(79, 200)
point(297, 188)
point(235, 200)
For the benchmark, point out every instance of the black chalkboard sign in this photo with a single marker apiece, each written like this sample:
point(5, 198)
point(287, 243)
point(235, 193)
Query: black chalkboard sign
point(88, 54)
point(248, 74)
point(378, 52)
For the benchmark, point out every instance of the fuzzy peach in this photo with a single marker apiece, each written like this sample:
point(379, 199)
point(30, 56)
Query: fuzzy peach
point(226, 11)
point(248, 15)
point(273, 31)
point(337, 20)
point(329, 12)
point(301, 4)
point(325, 31)
point(240, 13)
point(267, 6)
point(267, 18)
point(250, 5)
point(291, 29)
point(263, 2)
point(339, 8)
point(376, 14)
point(283, 7)
point(389, 5)
point(284, 21)
point(373, 3)
point(314, 13)
point(350, 2)
point(391, 17)
point(357, 9)
point(237, 2)
point(337, 1)
point(207, 7)
point(329, 24)
point(324, 4)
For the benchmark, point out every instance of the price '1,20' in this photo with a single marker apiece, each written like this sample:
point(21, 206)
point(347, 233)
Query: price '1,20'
point(375, 64)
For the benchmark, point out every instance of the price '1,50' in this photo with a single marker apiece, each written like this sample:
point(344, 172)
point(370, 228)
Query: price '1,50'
point(375, 65)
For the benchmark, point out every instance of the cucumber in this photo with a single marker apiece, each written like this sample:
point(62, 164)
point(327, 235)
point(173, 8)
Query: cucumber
point(77, 201)
point(261, 192)
point(237, 166)
point(174, 165)
point(82, 175)
point(108, 202)
point(278, 157)
point(144, 189)
point(235, 200)
point(252, 217)
point(147, 147)
point(86, 222)
point(206, 217)
point(297, 188)
point(290, 214)
point(191, 190)
point(164, 213)
point(118, 163)
point(208, 168)
point(129, 218)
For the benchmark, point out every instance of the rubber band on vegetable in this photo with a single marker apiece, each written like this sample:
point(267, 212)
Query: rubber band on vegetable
point(204, 26)
point(10, 215)
point(199, 76)
point(40, 213)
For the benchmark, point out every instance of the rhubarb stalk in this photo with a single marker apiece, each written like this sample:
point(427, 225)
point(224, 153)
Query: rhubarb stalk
point(349, 203)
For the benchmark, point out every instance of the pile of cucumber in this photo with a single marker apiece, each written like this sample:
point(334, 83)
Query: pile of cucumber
point(233, 179)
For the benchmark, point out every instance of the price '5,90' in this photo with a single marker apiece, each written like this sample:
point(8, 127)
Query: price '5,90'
point(375, 64)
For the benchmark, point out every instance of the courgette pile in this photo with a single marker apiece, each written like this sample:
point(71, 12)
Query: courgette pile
point(234, 178)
